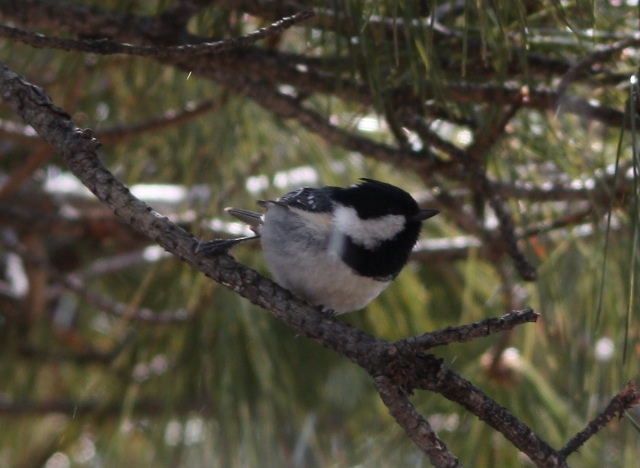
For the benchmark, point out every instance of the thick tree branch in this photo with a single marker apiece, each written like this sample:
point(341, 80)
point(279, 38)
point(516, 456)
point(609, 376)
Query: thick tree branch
point(436, 376)
point(414, 424)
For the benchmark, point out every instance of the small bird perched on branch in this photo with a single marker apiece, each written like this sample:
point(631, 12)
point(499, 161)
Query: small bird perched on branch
point(335, 247)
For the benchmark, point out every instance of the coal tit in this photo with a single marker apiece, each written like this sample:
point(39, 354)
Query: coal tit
point(337, 247)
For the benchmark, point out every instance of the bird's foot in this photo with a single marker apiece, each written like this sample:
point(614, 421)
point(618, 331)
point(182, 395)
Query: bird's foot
point(220, 246)
point(328, 312)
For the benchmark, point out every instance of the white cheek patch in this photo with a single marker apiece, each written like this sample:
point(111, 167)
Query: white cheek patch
point(368, 233)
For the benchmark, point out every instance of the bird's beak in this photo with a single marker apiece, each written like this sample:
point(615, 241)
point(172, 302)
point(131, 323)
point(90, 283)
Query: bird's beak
point(424, 214)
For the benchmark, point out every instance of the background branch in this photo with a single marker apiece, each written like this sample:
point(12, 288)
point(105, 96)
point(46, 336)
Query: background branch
point(107, 47)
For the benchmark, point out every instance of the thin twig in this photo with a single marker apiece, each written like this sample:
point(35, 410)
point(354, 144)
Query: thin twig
point(119, 133)
point(89, 356)
point(108, 47)
point(600, 55)
point(624, 400)
point(18, 408)
point(487, 139)
point(464, 333)
point(568, 220)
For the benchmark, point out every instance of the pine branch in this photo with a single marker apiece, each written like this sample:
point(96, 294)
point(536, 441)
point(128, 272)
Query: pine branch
point(77, 408)
point(437, 377)
point(582, 67)
point(464, 333)
point(626, 399)
point(108, 47)
point(123, 132)
point(280, 67)
point(289, 107)
point(416, 427)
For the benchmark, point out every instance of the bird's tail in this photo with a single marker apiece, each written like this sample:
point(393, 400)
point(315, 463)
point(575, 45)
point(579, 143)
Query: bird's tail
point(253, 219)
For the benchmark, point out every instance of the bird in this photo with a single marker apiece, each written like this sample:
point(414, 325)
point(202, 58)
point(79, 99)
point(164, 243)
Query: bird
point(337, 248)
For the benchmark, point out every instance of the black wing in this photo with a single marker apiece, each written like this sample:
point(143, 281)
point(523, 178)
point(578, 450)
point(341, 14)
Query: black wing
point(310, 199)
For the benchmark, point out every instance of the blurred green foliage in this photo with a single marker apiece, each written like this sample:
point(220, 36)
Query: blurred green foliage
point(231, 386)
